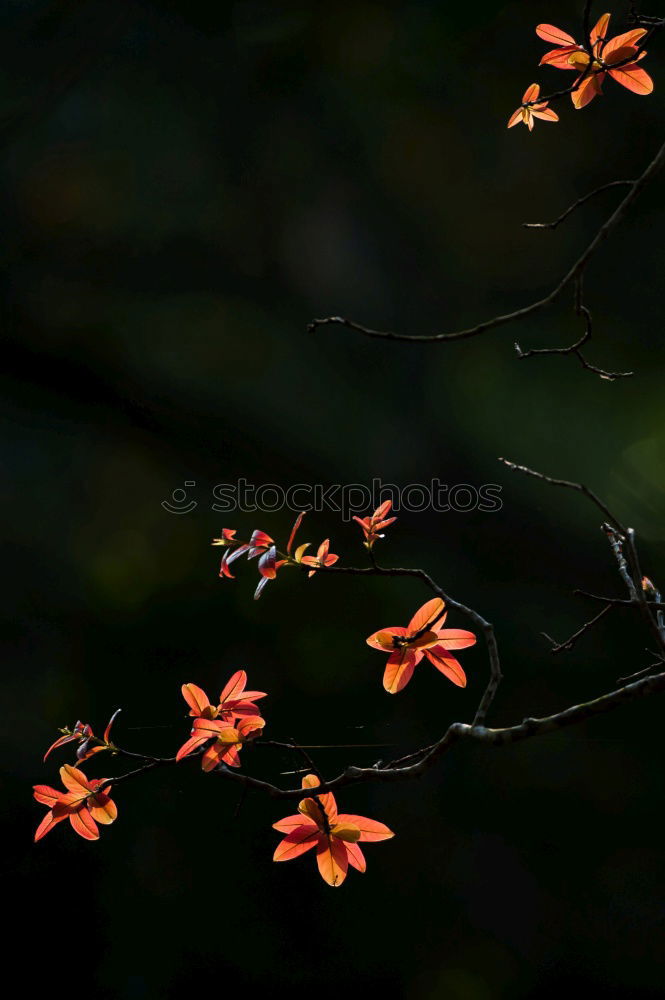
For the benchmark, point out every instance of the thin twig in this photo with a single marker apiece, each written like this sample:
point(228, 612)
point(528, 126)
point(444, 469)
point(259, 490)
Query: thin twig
point(577, 204)
point(567, 644)
point(518, 314)
point(620, 602)
point(486, 628)
point(565, 484)
point(576, 348)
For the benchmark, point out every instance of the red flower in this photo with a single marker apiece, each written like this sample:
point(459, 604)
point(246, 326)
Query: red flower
point(422, 637)
point(334, 835)
point(568, 54)
point(371, 526)
point(234, 701)
point(83, 804)
point(526, 114)
point(228, 740)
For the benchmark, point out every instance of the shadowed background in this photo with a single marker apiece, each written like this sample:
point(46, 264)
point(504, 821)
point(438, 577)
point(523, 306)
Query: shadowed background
point(185, 185)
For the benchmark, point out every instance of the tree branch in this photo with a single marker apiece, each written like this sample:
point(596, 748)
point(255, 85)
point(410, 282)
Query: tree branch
point(576, 204)
point(528, 310)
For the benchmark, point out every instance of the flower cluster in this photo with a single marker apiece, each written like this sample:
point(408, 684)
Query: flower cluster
point(593, 60)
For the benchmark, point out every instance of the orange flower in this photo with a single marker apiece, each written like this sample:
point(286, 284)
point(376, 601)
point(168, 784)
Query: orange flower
point(568, 54)
point(334, 835)
point(422, 637)
point(234, 701)
point(371, 526)
point(228, 740)
point(82, 804)
point(527, 111)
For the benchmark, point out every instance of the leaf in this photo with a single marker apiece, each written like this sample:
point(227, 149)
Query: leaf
point(234, 687)
point(299, 840)
point(196, 698)
point(332, 859)
point(426, 616)
point(447, 664)
point(356, 857)
point(399, 670)
point(554, 35)
point(74, 780)
point(102, 808)
point(291, 822)
point(60, 743)
point(456, 638)
point(383, 639)
point(84, 825)
point(294, 530)
point(47, 825)
point(346, 831)
point(370, 829)
point(634, 78)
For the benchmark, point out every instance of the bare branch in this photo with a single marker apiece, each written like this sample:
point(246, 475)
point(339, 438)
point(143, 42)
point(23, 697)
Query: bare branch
point(619, 602)
point(576, 204)
point(565, 484)
point(567, 644)
point(522, 313)
point(576, 348)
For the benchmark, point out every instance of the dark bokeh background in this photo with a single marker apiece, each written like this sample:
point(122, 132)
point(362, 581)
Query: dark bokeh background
point(185, 185)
